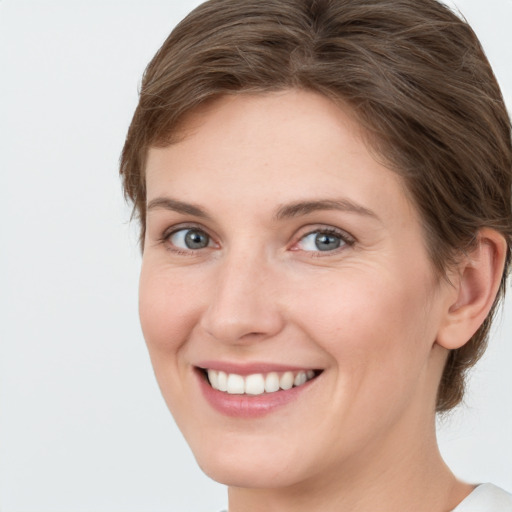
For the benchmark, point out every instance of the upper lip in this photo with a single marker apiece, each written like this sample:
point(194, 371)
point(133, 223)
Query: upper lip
point(250, 368)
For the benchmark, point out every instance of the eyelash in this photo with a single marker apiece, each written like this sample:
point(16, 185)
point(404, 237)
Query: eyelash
point(166, 236)
point(347, 240)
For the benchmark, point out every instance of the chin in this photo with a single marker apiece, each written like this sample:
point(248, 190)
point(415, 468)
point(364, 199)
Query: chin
point(254, 467)
point(247, 474)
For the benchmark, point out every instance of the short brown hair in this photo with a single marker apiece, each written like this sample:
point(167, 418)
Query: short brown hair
point(413, 73)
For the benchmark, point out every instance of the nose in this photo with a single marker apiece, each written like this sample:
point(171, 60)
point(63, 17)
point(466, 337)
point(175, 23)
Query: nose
point(244, 303)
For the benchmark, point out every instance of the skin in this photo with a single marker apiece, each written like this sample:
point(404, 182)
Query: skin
point(371, 314)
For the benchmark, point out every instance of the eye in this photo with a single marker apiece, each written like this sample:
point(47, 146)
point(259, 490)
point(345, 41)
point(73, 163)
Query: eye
point(189, 239)
point(323, 241)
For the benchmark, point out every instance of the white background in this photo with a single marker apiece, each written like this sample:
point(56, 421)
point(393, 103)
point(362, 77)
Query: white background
point(83, 426)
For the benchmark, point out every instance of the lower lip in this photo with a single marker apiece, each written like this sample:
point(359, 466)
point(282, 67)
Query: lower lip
point(249, 406)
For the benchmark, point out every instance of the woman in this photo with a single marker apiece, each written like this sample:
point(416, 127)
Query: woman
point(324, 196)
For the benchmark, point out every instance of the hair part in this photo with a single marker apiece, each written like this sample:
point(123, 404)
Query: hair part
point(414, 75)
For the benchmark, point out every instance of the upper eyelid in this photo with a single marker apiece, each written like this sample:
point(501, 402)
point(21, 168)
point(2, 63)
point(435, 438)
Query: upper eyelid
point(348, 241)
point(300, 233)
point(165, 239)
point(183, 226)
point(345, 235)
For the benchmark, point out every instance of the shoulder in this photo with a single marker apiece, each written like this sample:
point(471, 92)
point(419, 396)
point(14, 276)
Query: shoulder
point(486, 498)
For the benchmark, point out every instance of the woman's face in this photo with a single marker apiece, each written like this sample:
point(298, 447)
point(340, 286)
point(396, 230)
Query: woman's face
point(278, 249)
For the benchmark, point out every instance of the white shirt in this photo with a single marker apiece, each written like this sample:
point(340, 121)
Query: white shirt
point(486, 498)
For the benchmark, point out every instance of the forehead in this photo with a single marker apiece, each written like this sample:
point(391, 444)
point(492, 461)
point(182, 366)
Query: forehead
point(272, 146)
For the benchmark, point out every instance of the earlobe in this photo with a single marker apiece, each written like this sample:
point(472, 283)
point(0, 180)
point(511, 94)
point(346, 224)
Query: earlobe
point(476, 284)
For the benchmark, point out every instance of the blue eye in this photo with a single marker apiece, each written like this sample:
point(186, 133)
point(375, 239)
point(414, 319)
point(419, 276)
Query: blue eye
point(189, 239)
point(322, 241)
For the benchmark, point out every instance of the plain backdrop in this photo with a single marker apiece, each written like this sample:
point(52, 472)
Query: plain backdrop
point(83, 426)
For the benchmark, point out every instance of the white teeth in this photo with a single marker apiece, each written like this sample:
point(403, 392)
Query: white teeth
point(286, 380)
point(213, 377)
point(236, 384)
point(300, 379)
point(257, 383)
point(271, 382)
point(222, 381)
point(254, 384)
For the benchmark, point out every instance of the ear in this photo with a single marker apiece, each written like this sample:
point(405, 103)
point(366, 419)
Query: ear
point(476, 281)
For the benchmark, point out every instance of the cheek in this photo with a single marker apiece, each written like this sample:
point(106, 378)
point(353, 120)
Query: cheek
point(167, 309)
point(378, 330)
point(168, 314)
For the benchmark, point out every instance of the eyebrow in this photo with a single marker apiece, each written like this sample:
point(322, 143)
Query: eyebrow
point(300, 208)
point(287, 211)
point(177, 206)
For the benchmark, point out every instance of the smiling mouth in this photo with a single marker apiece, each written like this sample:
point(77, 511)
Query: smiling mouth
point(257, 383)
